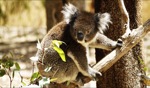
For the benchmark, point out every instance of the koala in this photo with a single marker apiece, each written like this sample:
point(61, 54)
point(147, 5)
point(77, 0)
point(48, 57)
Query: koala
point(79, 30)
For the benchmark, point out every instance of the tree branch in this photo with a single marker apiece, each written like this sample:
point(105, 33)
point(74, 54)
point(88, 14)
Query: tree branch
point(135, 36)
point(125, 21)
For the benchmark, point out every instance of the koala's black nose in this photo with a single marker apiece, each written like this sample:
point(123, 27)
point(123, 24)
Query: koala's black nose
point(80, 35)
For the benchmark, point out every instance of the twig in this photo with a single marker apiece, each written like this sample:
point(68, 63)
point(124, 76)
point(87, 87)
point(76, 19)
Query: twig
point(9, 75)
point(33, 67)
point(125, 21)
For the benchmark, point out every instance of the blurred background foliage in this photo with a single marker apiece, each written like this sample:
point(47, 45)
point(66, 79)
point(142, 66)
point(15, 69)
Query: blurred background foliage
point(145, 10)
point(22, 13)
point(32, 12)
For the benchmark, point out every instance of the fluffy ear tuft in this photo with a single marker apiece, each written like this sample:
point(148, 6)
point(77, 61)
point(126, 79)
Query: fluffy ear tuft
point(69, 11)
point(103, 21)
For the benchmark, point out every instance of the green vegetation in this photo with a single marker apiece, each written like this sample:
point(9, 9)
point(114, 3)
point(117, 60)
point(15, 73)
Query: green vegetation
point(9, 67)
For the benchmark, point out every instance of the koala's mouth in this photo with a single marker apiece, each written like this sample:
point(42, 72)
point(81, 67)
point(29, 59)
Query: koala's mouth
point(83, 41)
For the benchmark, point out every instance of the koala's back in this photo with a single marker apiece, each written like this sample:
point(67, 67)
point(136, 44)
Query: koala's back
point(63, 71)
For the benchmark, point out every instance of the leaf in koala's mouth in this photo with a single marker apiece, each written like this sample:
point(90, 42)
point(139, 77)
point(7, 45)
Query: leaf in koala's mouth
point(56, 46)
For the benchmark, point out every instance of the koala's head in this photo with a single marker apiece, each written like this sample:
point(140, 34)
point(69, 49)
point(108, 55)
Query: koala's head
point(84, 25)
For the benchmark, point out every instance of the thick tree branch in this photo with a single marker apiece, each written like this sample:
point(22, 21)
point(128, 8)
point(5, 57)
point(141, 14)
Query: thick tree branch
point(135, 36)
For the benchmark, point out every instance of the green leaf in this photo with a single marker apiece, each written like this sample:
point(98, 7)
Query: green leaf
point(61, 53)
point(17, 66)
point(13, 74)
point(2, 72)
point(44, 81)
point(5, 56)
point(11, 54)
point(8, 64)
point(145, 69)
point(34, 76)
point(23, 83)
point(57, 42)
point(4, 62)
point(56, 47)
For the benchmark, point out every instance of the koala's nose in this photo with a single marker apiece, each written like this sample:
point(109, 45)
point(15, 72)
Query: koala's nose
point(80, 35)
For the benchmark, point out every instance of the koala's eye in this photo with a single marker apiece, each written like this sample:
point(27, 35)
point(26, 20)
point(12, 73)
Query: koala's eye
point(87, 31)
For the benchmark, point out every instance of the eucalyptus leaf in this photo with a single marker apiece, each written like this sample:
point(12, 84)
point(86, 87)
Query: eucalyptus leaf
point(145, 69)
point(11, 54)
point(61, 53)
point(7, 63)
point(23, 83)
point(13, 74)
point(17, 66)
point(2, 72)
point(56, 47)
point(57, 42)
point(10, 63)
point(5, 56)
point(34, 76)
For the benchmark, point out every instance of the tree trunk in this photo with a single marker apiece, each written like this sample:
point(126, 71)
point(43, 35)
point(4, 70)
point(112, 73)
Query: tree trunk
point(124, 74)
point(53, 10)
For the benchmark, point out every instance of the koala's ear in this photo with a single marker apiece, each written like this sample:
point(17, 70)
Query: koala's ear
point(103, 21)
point(70, 12)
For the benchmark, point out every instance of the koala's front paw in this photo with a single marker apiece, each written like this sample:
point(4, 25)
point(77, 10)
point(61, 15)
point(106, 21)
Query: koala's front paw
point(119, 42)
point(94, 73)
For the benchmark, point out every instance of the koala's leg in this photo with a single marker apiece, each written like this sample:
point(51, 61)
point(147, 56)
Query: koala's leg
point(103, 42)
point(91, 59)
point(80, 54)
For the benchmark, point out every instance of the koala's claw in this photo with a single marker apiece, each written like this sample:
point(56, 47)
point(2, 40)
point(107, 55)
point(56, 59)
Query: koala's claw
point(95, 78)
point(79, 82)
point(119, 42)
point(94, 74)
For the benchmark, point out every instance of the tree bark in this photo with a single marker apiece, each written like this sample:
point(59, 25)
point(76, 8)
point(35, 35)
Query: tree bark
point(53, 10)
point(124, 73)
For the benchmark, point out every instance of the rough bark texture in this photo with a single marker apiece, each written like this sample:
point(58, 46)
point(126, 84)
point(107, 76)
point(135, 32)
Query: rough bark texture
point(124, 73)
